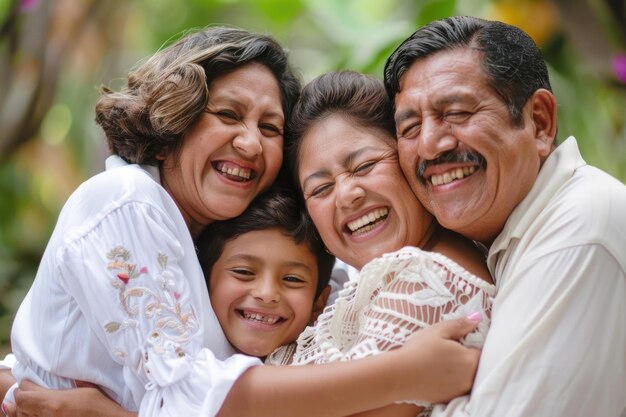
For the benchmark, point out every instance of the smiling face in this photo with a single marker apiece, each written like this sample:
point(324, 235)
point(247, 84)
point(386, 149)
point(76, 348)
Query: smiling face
point(233, 152)
point(262, 289)
point(459, 149)
point(355, 192)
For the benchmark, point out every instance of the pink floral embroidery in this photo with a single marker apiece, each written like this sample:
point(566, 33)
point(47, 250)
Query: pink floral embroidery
point(125, 270)
point(171, 320)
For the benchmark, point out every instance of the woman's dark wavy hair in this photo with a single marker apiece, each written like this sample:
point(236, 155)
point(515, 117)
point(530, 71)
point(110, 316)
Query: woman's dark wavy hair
point(165, 96)
point(513, 63)
point(276, 209)
point(358, 97)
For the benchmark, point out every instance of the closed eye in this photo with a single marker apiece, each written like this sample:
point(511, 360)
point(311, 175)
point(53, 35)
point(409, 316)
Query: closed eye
point(456, 116)
point(365, 167)
point(410, 131)
point(242, 273)
point(270, 130)
point(320, 190)
point(227, 115)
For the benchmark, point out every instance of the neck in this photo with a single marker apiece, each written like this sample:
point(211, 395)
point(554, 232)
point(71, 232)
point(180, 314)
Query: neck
point(195, 228)
point(431, 236)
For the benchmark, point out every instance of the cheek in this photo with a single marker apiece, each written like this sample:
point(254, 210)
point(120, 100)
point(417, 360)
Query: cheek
point(406, 156)
point(302, 308)
point(321, 215)
point(222, 295)
point(273, 152)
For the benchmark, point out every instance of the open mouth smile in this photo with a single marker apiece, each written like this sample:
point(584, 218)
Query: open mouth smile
point(452, 175)
point(234, 172)
point(262, 318)
point(368, 221)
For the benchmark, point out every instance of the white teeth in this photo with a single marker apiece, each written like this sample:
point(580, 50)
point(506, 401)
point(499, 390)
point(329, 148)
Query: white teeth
point(262, 318)
point(235, 171)
point(453, 174)
point(367, 219)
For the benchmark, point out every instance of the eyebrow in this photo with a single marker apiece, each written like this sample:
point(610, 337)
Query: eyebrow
point(403, 115)
point(438, 102)
point(234, 102)
point(298, 264)
point(243, 257)
point(450, 99)
point(348, 160)
point(251, 258)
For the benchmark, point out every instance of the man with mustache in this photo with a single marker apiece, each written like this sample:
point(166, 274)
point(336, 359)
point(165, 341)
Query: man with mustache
point(476, 124)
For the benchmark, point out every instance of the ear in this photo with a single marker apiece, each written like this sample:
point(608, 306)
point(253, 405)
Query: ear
point(544, 112)
point(319, 304)
point(161, 155)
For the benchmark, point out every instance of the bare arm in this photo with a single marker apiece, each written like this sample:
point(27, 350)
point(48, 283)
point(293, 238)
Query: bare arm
point(394, 410)
point(32, 399)
point(432, 367)
point(6, 381)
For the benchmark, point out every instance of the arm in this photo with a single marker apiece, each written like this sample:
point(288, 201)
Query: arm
point(6, 381)
point(128, 292)
point(139, 286)
point(391, 305)
point(432, 366)
point(556, 344)
point(395, 410)
point(32, 399)
point(297, 390)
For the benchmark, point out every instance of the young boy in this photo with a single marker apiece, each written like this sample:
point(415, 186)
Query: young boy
point(267, 273)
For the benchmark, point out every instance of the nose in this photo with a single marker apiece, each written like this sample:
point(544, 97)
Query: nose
point(266, 289)
point(248, 142)
point(436, 137)
point(348, 192)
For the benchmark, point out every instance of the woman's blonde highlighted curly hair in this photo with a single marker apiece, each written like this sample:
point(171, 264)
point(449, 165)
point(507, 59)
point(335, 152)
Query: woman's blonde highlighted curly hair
point(164, 96)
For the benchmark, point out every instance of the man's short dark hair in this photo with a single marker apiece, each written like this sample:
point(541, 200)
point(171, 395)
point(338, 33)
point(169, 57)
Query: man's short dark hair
point(513, 63)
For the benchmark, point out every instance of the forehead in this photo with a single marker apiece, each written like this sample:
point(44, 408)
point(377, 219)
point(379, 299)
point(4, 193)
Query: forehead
point(332, 138)
point(253, 82)
point(262, 245)
point(444, 74)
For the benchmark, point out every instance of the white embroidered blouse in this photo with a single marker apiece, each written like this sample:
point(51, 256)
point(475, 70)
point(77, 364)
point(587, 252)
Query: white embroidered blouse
point(120, 300)
point(394, 296)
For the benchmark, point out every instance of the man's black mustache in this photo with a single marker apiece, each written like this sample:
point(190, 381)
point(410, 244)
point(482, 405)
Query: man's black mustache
point(463, 157)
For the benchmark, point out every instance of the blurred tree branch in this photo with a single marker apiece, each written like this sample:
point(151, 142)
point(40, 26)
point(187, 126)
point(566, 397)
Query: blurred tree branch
point(35, 45)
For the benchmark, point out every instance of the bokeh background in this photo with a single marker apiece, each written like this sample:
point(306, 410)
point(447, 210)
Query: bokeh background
point(55, 54)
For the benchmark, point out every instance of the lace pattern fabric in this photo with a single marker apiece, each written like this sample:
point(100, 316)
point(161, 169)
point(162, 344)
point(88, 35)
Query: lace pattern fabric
point(396, 295)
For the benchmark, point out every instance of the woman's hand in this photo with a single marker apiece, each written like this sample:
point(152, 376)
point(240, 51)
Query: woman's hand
point(6, 381)
point(87, 401)
point(443, 368)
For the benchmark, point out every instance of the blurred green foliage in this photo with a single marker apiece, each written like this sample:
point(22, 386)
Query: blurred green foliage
point(68, 48)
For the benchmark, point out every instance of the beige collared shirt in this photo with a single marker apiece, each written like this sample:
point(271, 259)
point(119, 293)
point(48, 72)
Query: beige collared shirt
point(557, 342)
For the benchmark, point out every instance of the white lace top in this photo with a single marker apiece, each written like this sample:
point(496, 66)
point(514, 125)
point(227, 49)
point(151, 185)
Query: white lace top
point(396, 295)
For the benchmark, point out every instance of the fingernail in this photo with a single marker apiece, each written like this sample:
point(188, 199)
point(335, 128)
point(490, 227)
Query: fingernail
point(475, 316)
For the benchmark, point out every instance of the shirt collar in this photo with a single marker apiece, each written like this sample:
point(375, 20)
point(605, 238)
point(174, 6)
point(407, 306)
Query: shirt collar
point(556, 170)
point(115, 161)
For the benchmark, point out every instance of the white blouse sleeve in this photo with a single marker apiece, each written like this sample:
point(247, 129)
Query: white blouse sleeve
point(8, 361)
point(135, 285)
